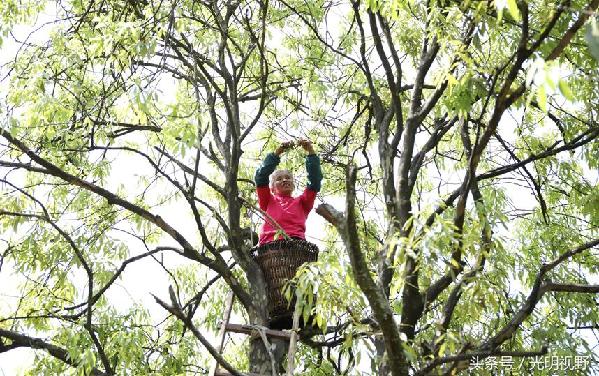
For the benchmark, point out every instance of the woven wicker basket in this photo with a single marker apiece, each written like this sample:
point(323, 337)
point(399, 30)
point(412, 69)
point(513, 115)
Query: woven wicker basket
point(279, 261)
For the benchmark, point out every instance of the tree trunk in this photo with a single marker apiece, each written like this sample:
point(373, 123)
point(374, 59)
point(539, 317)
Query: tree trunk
point(380, 362)
point(260, 359)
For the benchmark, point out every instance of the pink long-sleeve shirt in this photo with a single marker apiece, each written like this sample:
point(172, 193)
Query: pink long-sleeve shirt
point(289, 212)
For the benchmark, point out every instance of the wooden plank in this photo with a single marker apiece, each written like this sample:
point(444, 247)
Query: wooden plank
point(292, 342)
point(223, 330)
point(250, 329)
point(227, 373)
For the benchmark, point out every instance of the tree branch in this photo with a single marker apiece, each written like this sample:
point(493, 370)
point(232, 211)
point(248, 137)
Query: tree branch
point(582, 139)
point(535, 295)
point(376, 297)
point(478, 355)
point(565, 287)
point(176, 311)
point(188, 250)
point(22, 340)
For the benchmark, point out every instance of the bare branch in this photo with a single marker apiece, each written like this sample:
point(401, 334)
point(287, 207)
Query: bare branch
point(26, 166)
point(565, 287)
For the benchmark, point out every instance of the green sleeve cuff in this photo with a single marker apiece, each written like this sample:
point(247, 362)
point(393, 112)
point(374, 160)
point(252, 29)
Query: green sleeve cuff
point(314, 172)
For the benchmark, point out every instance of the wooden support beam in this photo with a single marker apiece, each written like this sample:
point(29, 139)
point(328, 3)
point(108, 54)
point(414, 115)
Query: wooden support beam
point(293, 341)
point(251, 329)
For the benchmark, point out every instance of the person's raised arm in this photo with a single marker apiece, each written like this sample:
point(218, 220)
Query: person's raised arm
point(269, 164)
point(312, 165)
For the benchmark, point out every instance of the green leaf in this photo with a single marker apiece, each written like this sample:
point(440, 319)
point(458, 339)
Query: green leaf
point(513, 8)
point(564, 88)
point(592, 37)
point(476, 42)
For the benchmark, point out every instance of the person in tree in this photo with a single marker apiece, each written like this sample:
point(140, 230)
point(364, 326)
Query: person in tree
point(276, 199)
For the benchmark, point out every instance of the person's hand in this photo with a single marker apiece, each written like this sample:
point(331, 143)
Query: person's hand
point(284, 147)
point(307, 145)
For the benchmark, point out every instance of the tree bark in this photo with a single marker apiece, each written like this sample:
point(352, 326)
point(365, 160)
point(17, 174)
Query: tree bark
point(260, 359)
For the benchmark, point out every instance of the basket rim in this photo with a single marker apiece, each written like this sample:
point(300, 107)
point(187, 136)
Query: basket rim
point(295, 244)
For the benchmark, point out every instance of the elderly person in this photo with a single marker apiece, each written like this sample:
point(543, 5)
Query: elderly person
point(290, 213)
